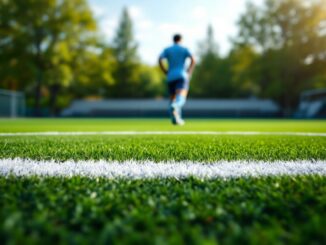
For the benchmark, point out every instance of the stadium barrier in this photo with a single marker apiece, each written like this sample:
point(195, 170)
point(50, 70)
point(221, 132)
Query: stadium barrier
point(159, 108)
point(12, 104)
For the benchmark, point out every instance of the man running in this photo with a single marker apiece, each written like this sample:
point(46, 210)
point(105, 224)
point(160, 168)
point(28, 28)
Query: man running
point(178, 77)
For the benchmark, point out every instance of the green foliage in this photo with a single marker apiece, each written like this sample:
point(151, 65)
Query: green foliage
point(125, 51)
point(44, 35)
point(55, 55)
point(93, 72)
point(278, 53)
point(290, 38)
point(125, 47)
point(191, 211)
point(212, 75)
point(152, 82)
point(209, 47)
point(52, 51)
point(242, 60)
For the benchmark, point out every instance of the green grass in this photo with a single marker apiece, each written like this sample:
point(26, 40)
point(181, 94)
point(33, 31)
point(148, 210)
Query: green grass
point(159, 148)
point(273, 210)
point(36, 125)
point(239, 211)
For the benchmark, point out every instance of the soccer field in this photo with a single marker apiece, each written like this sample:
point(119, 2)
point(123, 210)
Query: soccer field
point(145, 181)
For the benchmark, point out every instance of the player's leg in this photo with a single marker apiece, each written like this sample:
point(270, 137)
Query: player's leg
point(177, 104)
point(180, 99)
point(172, 94)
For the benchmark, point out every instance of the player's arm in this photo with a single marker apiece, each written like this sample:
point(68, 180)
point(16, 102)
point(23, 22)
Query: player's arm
point(192, 64)
point(161, 64)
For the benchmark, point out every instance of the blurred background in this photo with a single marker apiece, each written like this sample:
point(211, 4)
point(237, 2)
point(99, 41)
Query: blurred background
point(95, 58)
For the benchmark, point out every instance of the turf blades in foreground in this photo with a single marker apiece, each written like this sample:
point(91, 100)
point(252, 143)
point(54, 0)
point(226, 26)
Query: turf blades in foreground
point(269, 210)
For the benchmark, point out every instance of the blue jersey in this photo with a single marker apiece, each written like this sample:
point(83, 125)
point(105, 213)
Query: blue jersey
point(176, 56)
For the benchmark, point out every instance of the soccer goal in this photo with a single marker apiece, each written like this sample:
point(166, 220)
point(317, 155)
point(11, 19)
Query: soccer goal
point(12, 103)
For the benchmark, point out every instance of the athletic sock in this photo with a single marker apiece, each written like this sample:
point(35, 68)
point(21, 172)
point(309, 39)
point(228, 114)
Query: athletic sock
point(178, 103)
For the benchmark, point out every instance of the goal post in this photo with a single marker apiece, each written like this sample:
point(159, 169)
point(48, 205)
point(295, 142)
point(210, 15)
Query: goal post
point(12, 103)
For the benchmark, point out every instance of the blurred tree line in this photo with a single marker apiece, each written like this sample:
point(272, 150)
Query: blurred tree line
point(53, 51)
point(280, 51)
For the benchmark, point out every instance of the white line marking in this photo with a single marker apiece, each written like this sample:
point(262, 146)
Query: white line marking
point(162, 133)
point(149, 169)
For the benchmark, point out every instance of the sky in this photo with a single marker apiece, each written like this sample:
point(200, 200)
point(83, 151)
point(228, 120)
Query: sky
point(156, 21)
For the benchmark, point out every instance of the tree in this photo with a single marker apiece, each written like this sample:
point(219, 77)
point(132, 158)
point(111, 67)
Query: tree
point(242, 62)
point(14, 71)
point(212, 75)
point(128, 64)
point(290, 36)
point(151, 81)
point(92, 73)
point(41, 36)
point(209, 47)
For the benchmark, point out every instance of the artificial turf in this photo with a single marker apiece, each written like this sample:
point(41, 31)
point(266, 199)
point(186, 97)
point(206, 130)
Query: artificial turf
point(201, 148)
point(263, 125)
point(77, 210)
point(268, 210)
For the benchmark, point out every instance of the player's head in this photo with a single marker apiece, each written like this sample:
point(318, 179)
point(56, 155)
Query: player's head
point(177, 38)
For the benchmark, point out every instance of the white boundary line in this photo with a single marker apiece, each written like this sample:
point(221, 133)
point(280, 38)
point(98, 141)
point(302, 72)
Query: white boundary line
point(162, 133)
point(156, 170)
